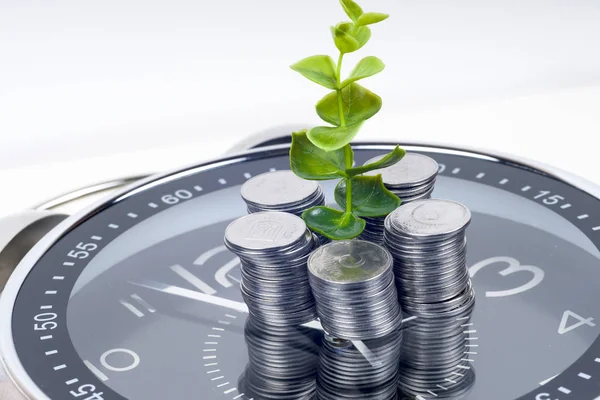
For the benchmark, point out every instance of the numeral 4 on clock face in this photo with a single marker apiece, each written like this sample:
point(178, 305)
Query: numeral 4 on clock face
point(564, 323)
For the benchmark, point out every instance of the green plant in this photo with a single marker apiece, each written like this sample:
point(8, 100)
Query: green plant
point(324, 152)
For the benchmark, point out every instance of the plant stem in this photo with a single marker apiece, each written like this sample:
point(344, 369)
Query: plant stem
point(348, 159)
point(339, 91)
point(347, 149)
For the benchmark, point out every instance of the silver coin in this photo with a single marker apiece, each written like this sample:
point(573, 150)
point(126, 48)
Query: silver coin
point(349, 261)
point(430, 217)
point(278, 188)
point(265, 230)
point(412, 169)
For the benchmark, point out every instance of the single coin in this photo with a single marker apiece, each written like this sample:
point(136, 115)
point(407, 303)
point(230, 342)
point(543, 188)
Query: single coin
point(430, 217)
point(278, 188)
point(349, 261)
point(412, 169)
point(265, 231)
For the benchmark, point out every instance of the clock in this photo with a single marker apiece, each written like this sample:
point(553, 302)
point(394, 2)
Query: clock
point(138, 298)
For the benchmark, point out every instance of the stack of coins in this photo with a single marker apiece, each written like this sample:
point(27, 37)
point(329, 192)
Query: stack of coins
point(282, 191)
point(282, 361)
point(427, 240)
point(273, 248)
point(436, 357)
point(412, 178)
point(344, 373)
point(353, 284)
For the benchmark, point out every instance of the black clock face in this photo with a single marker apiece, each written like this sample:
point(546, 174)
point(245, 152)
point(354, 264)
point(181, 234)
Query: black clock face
point(141, 300)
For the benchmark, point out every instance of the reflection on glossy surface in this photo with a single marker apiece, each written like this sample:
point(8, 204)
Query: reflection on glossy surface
point(437, 354)
point(282, 361)
point(427, 358)
point(345, 374)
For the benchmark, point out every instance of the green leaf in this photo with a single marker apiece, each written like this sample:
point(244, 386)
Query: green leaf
point(370, 198)
point(390, 159)
point(352, 9)
point(310, 162)
point(319, 69)
point(344, 41)
point(333, 224)
point(362, 35)
point(371, 18)
point(330, 138)
point(358, 103)
point(366, 67)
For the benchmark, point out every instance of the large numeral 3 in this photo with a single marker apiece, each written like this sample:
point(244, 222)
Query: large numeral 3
point(513, 266)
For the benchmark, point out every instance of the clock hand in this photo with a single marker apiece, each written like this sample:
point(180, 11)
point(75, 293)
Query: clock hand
point(193, 295)
point(241, 307)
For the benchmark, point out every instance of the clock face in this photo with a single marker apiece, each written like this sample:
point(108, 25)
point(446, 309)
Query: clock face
point(141, 299)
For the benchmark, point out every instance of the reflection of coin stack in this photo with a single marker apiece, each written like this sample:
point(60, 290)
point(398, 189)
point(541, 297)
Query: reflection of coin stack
point(282, 191)
point(412, 178)
point(353, 284)
point(435, 357)
point(344, 373)
point(428, 243)
point(283, 361)
point(273, 248)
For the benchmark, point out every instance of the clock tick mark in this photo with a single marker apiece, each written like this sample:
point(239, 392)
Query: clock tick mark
point(584, 376)
point(480, 175)
point(47, 337)
point(247, 175)
point(198, 188)
point(222, 181)
point(525, 188)
point(153, 205)
point(96, 237)
point(72, 382)
point(596, 228)
point(564, 390)
point(565, 206)
point(59, 367)
point(68, 263)
point(58, 278)
point(51, 292)
point(503, 181)
point(132, 215)
point(46, 308)
point(51, 352)
point(456, 171)
point(113, 226)
point(582, 216)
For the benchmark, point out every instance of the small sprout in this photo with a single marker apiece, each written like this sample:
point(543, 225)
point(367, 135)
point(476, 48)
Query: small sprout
point(324, 152)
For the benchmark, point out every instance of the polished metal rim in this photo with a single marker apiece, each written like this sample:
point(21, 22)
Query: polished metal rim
point(8, 355)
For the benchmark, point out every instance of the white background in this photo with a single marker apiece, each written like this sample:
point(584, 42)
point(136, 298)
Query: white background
point(97, 89)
